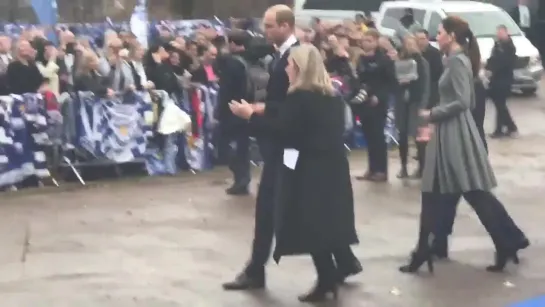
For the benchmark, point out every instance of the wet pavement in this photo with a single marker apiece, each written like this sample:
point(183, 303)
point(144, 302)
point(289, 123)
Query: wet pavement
point(162, 242)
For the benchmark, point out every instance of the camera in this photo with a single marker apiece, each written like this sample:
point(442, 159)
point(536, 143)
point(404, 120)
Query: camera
point(360, 97)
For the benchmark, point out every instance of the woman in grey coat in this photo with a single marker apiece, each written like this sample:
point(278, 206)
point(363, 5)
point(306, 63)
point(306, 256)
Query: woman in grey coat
point(456, 159)
point(414, 77)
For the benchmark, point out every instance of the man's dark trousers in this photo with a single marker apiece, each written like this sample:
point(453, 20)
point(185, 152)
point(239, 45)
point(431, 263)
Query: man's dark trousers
point(239, 158)
point(265, 207)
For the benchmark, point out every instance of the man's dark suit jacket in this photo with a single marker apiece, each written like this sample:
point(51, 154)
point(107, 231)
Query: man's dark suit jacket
point(277, 90)
point(435, 61)
point(277, 87)
point(232, 86)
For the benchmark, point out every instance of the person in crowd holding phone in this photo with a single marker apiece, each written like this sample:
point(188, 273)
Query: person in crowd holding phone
point(413, 77)
point(456, 159)
point(88, 79)
point(376, 75)
point(316, 190)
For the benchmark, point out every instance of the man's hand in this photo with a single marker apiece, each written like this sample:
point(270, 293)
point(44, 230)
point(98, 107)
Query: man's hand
point(259, 107)
point(241, 109)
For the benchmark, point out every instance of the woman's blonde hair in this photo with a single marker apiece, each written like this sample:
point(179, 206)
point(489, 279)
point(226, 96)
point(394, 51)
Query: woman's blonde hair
point(83, 67)
point(410, 45)
point(354, 54)
point(312, 74)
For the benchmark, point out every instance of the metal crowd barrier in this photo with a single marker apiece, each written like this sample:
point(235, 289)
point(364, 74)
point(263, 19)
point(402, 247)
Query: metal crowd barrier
point(82, 130)
point(78, 130)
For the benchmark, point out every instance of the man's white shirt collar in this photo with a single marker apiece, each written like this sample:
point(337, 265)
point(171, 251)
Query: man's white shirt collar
point(287, 44)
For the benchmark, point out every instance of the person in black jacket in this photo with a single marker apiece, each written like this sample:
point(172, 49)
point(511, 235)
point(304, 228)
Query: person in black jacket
point(500, 65)
point(22, 74)
point(233, 84)
point(376, 73)
point(315, 190)
point(159, 71)
point(87, 79)
point(279, 22)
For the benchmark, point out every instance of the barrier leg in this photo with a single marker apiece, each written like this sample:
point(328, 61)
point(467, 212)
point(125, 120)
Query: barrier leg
point(74, 170)
point(392, 138)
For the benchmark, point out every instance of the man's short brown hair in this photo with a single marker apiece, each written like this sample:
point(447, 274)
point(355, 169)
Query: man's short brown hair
point(283, 15)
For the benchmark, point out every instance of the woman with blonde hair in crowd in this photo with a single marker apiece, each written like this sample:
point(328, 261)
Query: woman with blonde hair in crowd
point(413, 78)
point(88, 79)
point(315, 186)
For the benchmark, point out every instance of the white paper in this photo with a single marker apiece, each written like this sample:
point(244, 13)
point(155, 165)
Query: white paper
point(290, 157)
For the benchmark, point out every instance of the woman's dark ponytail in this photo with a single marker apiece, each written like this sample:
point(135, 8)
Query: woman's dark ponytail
point(465, 38)
point(473, 53)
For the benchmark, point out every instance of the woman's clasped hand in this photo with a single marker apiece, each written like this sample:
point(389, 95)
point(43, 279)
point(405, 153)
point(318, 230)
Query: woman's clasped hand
point(244, 110)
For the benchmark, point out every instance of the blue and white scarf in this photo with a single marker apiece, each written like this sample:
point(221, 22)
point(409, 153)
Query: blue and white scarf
point(114, 129)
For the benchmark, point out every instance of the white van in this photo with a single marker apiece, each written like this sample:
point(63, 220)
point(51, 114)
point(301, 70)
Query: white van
point(483, 19)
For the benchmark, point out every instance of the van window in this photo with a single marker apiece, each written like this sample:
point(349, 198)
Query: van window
point(485, 24)
point(433, 25)
point(392, 17)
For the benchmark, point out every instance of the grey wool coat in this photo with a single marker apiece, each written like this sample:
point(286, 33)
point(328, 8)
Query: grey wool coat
point(456, 159)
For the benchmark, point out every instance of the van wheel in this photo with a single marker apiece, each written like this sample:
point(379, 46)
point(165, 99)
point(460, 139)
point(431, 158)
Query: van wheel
point(529, 91)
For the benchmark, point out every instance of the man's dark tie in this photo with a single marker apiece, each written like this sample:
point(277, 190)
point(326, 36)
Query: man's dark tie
point(275, 60)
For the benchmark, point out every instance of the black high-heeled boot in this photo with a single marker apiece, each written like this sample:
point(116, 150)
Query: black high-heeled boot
point(417, 260)
point(321, 292)
point(501, 259)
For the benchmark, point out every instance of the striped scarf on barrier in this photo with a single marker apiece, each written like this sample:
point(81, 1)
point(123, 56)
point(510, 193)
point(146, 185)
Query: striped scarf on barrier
point(23, 135)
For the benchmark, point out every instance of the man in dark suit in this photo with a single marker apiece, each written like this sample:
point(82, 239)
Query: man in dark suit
point(279, 23)
point(233, 84)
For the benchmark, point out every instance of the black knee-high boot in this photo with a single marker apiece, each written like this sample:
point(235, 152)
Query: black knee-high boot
point(327, 278)
point(425, 236)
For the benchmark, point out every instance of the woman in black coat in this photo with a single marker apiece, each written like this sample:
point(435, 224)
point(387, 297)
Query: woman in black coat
point(315, 210)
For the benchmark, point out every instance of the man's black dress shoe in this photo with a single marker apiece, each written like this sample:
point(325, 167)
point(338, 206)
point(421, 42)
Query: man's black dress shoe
point(245, 282)
point(237, 190)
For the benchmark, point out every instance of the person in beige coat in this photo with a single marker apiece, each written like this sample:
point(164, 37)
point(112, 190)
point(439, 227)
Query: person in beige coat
point(456, 160)
point(48, 67)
